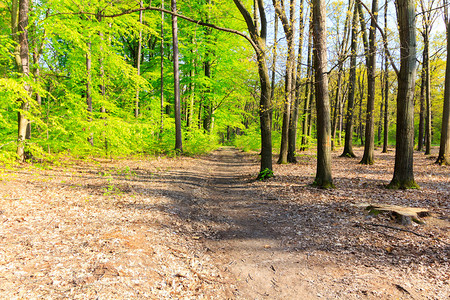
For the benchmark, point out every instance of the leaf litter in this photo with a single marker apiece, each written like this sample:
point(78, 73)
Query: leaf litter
point(203, 228)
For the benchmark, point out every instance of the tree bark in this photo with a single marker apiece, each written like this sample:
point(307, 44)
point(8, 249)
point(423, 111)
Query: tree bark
point(292, 139)
point(323, 174)
point(420, 137)
point(136, 108)
point(24, 68)
point(348, 142)
point(89, 90)
point(162, 74)
point(444, 149)
point(308, 92)
point(342, 56)
point(403, 170)
point(289, 93)
point(265, 111)
point(176, 79)
point(274, 56)
point(368, 156)
point(426, 59)
point(386, 83)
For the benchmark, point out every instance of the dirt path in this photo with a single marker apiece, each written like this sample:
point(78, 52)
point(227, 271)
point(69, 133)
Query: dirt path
point(316, 247)
point(245, 239)
point(203, 228)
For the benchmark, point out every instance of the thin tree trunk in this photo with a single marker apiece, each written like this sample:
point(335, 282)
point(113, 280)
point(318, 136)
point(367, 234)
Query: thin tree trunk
point(348, 142)
point(190, 118)
point(14, 32)
point(161, 130)
point(342, 55)
point(308, 92)
point(368, 156)
point(380, 121)
point(444, 149)
point(420, 137)
point(265, 112)
point(288, 27)
point(292, 140)
point(176, 78)
point(323, 174)
point(361, 101)
point(136, 108)
point(89, 90)
point(403, 170)
point(274, 57)
point(426, 58)
point(24, 67)
point(386, 83)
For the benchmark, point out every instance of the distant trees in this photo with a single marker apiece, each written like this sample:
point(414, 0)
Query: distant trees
point(104, 59)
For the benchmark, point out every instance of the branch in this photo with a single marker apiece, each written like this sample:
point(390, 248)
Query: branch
point(391, 60)
point(198, 22)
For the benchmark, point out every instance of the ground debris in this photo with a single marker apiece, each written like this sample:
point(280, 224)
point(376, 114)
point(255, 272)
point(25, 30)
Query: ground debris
point(196, 228)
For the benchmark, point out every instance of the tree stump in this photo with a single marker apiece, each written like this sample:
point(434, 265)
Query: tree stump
point(403, 215)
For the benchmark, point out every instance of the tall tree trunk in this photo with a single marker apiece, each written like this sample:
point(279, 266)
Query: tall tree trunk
point(265, 110)
point(136, 108)
point(176, 79)
point(25, 70)
point(209, 103)
point(368, 156)
point(89, 90)
point(348, 143)
point(288, 27)
point(190, 117)
point(426, 58)
point(403, 170)
point(342, 56)
point(14, 32)
point(292, 139)
point(386, 83)
point(162, 74)
point(444, 149)
point(323, 174)
point(274, 56)
point(361, 96)
point(308, 92)
point(420, 137)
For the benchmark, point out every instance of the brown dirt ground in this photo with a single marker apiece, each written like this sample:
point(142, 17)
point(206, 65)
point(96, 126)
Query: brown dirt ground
point(196, 228)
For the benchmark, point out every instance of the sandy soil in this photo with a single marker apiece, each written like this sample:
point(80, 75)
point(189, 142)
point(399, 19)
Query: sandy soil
point(196, 228)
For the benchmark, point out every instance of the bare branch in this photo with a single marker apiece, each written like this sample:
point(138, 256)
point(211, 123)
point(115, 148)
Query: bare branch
point(198, 22)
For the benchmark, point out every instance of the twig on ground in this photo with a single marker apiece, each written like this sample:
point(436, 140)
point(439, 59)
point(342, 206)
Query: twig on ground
point(401, 229)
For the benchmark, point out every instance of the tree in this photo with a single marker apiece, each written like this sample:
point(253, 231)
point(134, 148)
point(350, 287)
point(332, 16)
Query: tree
point(386, 82)
point(348, 143)
point(288, 27)
point(292, 135)
point(23, 121)
point(162, 73)
point(368, 156)
point(403, 170)
point(136, 109)
point(176, 78)
point(323, 174)
point(258, 38)
point(428, 17)
point(444, 149)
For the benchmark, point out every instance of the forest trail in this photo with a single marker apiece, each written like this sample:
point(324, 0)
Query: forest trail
point(276, 248)
point(204, 228)
point(243, 238)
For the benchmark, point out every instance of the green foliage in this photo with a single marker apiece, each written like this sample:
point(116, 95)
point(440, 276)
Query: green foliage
point(250, 140)
point(265, 174)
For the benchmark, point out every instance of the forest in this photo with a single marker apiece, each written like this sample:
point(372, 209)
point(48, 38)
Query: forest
point(213, 149)
point(124, 78)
